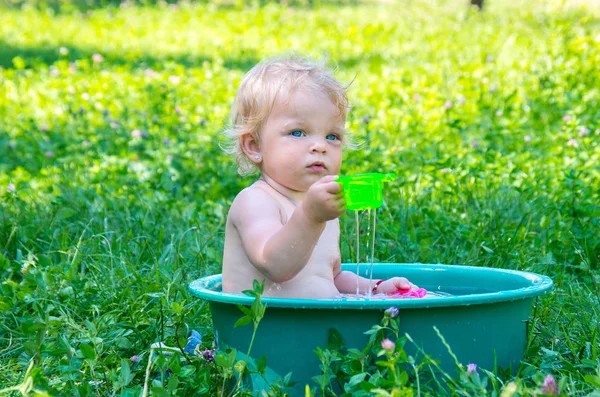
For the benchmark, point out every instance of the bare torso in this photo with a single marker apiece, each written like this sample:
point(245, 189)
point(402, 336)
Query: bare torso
point(315, 280)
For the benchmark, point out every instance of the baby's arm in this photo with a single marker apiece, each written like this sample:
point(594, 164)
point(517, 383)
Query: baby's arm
point(345, 282)
point(280, 251)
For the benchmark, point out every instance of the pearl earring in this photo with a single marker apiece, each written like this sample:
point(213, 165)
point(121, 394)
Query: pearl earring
point(257, 157)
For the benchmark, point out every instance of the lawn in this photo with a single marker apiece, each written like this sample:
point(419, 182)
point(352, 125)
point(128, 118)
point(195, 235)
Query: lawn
point(114, 190)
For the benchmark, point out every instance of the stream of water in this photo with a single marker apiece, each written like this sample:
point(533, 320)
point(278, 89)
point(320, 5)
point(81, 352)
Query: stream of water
point(370, 243)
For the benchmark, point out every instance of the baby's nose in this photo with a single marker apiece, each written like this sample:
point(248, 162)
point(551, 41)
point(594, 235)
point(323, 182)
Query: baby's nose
point(318, 145)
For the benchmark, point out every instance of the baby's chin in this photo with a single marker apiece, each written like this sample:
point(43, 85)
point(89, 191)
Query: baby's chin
point(297, 184)
point(309, 181)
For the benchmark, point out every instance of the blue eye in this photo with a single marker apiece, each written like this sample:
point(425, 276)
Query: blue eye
point(297, 133)
point(332, 137)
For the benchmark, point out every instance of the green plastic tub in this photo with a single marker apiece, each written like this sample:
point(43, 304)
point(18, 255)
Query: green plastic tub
point(484, 321)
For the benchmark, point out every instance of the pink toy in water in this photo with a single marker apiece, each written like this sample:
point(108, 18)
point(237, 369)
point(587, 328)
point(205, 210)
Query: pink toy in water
point(408, 293)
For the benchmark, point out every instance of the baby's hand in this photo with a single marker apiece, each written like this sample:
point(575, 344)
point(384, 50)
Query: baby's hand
point(324, 200)
point(394, 284)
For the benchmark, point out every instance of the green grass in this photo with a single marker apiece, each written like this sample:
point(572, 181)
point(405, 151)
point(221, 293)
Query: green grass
point(104, 228)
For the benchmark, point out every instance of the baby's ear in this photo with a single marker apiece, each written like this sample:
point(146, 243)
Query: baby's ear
point(250, 147)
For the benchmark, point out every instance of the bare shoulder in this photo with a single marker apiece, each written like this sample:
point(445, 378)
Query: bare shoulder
point(254, 203)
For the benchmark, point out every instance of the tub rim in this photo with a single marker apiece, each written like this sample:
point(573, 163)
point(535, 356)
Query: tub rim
point(540, 284)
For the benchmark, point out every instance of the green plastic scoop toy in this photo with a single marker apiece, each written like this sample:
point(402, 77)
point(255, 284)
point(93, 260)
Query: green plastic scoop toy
point(364, 191)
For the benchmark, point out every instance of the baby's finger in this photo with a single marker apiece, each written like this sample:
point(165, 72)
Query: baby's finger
point(402, 283)
point(341, 204)
point(333, 187)
point(327, 179)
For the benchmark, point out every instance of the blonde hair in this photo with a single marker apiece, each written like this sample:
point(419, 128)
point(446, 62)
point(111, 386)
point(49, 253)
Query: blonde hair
point(258, 91)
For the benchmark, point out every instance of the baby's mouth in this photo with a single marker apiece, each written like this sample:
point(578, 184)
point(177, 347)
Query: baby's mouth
point(317, 166)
